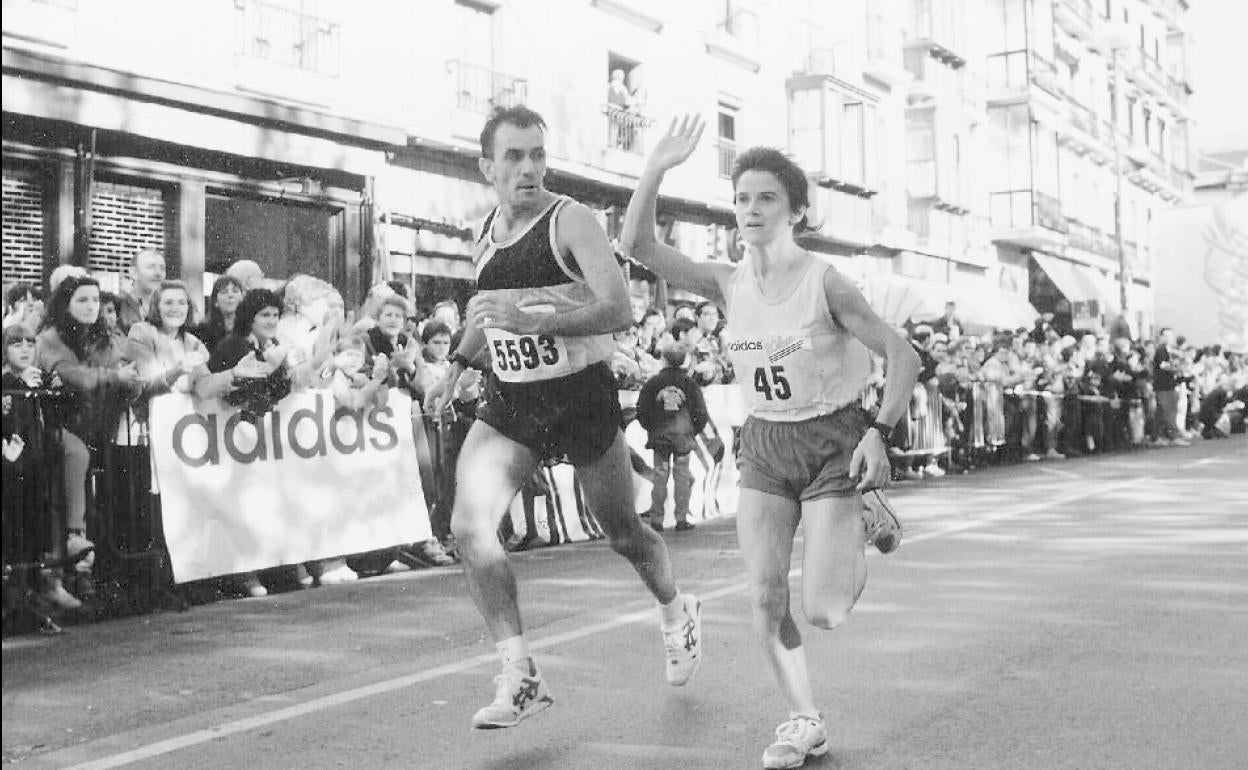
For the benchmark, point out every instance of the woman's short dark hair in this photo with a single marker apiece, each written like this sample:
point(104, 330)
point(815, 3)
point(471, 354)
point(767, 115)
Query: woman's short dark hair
point(153, 308)
point(253, 302)
point(518, 116)
point(782, 167)
point(680, 327)
point(110, 298)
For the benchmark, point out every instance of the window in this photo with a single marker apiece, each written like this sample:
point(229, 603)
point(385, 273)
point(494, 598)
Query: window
point(1009, 166)
point(727, 138)
point(858, 144)
point(921, 161)
point(1148, 128)
point(479, 86)
point(1131, 116)
point(1161, 138)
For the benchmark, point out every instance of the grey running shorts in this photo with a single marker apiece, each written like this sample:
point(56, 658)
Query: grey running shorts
point(805, 460)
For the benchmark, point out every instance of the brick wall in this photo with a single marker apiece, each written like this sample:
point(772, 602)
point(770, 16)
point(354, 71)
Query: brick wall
point(124, 219)
point(23, 227)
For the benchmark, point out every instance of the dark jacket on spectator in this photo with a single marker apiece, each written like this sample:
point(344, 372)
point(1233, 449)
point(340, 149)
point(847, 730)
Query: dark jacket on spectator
point(672, 410)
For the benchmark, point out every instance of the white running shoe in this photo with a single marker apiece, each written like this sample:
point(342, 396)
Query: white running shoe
point(519, 695)
point(800, 737)
point(683, 643)
point(883, 528)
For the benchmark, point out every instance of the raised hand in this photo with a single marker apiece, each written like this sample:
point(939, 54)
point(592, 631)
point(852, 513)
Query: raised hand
point(678, 143)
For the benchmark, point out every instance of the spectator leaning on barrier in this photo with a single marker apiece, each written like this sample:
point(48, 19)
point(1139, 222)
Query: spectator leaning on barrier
point(673, 411)
point(147, 271)
point(312, 317)
point(254, 362)
point(76, 346)
point(387, 338)
point(168, 356)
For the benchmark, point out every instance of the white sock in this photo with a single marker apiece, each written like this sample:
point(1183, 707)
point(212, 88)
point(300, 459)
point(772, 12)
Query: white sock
point(514, 652)
point(793, 670)
point(672, 612)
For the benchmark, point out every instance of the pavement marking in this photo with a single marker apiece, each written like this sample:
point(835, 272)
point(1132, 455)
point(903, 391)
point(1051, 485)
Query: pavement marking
point(236, 726)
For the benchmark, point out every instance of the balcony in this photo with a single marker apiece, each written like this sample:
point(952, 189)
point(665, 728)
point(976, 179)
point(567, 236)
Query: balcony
point(1076, 17)
point(735, 39)
point(814, 49)
point(936, 28)
point(726, 152)
point(885, 44)
point(480, 89)
point(1027, 218)
point(626, 129)
point(280, 36)
point(1024, 76)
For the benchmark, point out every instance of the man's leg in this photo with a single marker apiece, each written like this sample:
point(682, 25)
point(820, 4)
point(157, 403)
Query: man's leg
point(607, 484)
point(490, 471)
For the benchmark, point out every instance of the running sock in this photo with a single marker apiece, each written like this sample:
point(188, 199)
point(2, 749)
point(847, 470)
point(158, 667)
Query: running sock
point(792, 664)
point(515, 652)
point(672, 612)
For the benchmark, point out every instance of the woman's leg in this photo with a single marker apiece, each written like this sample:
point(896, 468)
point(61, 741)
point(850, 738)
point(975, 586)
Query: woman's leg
point(834, 567)
point(766, 524)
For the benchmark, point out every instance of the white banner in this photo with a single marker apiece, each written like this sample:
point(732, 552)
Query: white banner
point(310, 480)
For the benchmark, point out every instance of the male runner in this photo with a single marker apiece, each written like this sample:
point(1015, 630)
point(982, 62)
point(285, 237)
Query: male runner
point(550, 294)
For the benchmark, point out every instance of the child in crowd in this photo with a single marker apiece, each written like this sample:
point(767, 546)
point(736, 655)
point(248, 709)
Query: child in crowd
point(673, 412)
point(351, 387)
point(26, 485)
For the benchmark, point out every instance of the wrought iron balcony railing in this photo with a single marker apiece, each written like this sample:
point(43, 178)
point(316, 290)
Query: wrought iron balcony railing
point(283, 36)
point(480, 89)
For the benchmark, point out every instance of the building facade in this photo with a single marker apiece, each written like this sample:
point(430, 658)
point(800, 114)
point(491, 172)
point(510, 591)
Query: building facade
point(957, 149)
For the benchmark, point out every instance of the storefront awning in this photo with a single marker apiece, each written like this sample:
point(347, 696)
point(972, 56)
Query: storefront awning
point(1077, 282)
point(898, 299)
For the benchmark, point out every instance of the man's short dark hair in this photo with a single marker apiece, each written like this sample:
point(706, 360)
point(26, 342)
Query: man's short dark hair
point(518, 116)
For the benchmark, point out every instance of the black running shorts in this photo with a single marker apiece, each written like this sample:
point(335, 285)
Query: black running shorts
point(805, 460)
point(575, 418)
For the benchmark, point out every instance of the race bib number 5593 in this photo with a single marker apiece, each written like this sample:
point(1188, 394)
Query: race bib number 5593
point(527, 357)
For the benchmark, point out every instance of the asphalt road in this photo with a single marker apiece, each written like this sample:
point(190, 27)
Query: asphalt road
point(1079, 614)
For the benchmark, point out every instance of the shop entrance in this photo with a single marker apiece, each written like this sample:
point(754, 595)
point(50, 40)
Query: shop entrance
point(284, 238)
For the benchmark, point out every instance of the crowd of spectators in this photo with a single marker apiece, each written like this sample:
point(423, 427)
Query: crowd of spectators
point(101, 357)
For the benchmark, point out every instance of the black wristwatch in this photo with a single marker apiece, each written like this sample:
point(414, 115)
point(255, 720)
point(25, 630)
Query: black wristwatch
point(885, 431)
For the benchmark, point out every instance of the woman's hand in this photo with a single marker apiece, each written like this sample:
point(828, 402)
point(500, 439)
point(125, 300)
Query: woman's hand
point(128, 374)
point(677, 144)
point(251, 368)
point(381, 367)
point(32, 377)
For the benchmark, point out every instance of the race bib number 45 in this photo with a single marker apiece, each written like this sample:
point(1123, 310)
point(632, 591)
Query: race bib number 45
point(527, 357)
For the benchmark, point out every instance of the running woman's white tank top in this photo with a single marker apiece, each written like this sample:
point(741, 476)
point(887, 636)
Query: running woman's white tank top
point(792, 358)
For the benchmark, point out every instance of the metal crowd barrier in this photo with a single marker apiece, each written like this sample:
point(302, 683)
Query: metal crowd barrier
point(922, 430)
point(33, 505)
